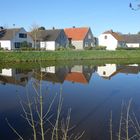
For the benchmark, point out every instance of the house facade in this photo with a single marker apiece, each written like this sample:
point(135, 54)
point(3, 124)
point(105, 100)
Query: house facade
point(11, 39)
point(80, 37)
point(132, 40)
point(111, 40)
point(107, 71)
point(52, 39)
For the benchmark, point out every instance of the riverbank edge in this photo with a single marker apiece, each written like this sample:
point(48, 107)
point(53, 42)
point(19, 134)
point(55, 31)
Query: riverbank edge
point(38, 56)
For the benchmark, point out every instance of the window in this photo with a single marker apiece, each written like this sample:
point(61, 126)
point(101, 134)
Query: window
point(17, 44)
point(21, 35)
point(105, 37)
point(104, 73)
point(86, 44)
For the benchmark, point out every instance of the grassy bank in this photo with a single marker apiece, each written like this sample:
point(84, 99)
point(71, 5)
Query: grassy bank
point(33, 56)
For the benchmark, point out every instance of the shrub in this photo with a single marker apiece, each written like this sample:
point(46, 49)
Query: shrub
point(88, 48)
point(127, 48)
point(70, 46)
point(61, 48)
point(1, 49)
point(99, 48)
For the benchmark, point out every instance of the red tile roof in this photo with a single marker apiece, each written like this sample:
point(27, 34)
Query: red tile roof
point(76, 77)
point(76, 33)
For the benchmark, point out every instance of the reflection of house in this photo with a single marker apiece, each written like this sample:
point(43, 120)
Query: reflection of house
point(111, 40)
point(129, 69)
point(11, 39)
point(79, 74)
point(52, 39)
point(6, 72)
point(80, 37)
point(52, 74)
point(132, 40)
point(15, 76)
point(107, 71)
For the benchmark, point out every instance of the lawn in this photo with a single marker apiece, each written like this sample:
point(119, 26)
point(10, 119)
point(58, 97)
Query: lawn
point(34, 56)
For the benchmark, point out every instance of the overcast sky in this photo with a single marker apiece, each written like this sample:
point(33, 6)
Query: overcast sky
point(100, 15)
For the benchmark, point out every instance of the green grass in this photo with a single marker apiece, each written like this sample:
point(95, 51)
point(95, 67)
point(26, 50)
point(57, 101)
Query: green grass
point(32, 56)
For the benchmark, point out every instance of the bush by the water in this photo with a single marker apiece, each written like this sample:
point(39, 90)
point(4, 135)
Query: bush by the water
point(95, 48)
point(62, 48)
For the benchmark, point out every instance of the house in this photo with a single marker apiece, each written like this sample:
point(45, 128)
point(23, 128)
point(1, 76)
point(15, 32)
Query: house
point(15, 76)
point(51, 39)
point(132, 40)
point(107, 71)
point(111, 40)
point(79, 74)
point(129, 69)
point(52, 74)
point(80, 37)
point(11, 39)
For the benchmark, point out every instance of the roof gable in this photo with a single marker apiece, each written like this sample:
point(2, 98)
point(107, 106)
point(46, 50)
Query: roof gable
point(48, 35)
point(9, 33)
point(117, 36)
point(76, 33)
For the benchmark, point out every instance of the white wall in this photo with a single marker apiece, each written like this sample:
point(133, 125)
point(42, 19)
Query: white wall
point(134, 45)
point(50, 45)
point(77, 68)
point(49, 69)
point(107, 70)
point(5, 44)
point(111, 43)
point(7, 72)
point(78, 44)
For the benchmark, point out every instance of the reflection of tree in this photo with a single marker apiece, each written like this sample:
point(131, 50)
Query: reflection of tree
point(42, 122)
point(129, 126)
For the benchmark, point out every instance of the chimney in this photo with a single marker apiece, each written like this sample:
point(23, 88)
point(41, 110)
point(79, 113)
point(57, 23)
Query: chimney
point(73, 26)
point(53, 28)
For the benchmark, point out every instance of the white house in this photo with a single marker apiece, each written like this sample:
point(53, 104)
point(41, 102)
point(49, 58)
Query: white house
point(80, 37)
point(15, 76)
point(11, 39)
point(51, 69)
point(132, 40)
point(111, 40)
point(51, 39)
point(107, 71)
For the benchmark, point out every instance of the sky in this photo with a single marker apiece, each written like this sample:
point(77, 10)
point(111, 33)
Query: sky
point(99, 15)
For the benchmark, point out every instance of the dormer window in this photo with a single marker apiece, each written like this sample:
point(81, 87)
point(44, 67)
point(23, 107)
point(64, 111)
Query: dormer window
point(105, 37)
point(21, 35)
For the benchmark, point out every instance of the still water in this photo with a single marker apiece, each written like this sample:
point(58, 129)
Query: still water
point(91, 92)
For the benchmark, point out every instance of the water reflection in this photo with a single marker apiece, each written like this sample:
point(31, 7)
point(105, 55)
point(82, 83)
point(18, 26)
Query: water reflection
point(15, 76)
point(75, 74)
point(98, 90)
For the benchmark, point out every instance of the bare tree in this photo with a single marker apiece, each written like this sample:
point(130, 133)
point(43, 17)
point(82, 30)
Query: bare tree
point(39, 117)
point(34, 33)
point(129, 126)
